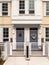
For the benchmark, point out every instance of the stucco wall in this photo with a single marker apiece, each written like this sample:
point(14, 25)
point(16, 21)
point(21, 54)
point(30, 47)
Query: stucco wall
point(45, 19)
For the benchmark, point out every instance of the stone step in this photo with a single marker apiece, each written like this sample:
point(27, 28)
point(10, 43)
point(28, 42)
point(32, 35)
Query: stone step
point(36, 53)
point(18, 53)
point(21, 53)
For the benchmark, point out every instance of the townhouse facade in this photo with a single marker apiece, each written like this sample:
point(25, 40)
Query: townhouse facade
point(24, 22)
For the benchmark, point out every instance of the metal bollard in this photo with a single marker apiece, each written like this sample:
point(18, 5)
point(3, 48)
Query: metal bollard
point(27, 53)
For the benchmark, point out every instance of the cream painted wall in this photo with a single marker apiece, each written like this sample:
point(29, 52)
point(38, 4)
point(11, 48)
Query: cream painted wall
point(45, 19)
point(6, 19)
point(45, 22)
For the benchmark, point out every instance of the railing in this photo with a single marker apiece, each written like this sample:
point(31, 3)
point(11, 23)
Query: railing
point(6, 50)
point(46, 49)
point(1, 49)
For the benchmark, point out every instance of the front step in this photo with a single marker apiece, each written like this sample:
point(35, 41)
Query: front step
point(21, 53)
point(36, 53)
point(18, 53)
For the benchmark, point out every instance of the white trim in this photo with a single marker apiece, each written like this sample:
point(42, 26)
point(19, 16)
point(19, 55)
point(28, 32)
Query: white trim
point(9, 9)
point(4, 0)
point(44, 8)
point(45, 0)
point(26, 22)
point(26, 6)
point(0, 9)
point(1, 34)
point(14, 38)
point(39, 37)
point(45, 33)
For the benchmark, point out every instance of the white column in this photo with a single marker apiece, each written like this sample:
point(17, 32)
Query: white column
point(39, 37)
point(44, 43)
point(26, 7)
point(48, 49)
point(43, 49)
point(27, 36)
point(10, 48)
point(29, 42)
point(14, 38)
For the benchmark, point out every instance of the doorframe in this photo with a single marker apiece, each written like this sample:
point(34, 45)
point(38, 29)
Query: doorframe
point(26, 32)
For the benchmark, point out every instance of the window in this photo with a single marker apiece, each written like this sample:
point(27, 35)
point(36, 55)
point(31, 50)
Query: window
point(31, 7)
point(5, 34)
point(47, 34)
point(47, 8)
point(21, 7)
point(4, 8)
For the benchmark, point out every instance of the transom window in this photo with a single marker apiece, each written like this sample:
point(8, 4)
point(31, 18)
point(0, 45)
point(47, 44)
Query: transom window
point(47, 8)
point(31, 7)
point(5, 34)
point(21, 7)
point(47, 34)
point(4, 8)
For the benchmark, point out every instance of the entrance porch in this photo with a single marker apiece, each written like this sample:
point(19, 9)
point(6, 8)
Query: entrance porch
point(24, 35)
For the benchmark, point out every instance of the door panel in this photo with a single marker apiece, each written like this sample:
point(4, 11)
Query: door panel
point(20, 35)
point(33, 35)
point(20, 38)
point(34, 38)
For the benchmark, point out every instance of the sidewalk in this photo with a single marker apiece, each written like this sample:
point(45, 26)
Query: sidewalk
point(22, 61)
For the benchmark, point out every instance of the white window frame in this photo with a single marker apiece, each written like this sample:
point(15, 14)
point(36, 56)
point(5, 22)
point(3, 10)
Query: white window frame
point(32, 8)
point(22, 8)
point(4, 37)
point(4, 9)
point(47, 11)
point(46, 38)
point(45, 8)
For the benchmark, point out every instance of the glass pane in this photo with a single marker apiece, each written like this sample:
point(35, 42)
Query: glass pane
point(4, 8)
point(47, 6)
point(31, 4)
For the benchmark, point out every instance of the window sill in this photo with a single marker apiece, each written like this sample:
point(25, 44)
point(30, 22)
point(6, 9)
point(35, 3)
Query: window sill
point(26, 14)
point(5, 16)
point(46, 16)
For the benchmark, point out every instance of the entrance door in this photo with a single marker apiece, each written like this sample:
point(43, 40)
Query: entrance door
point(19, 38)
point(34, 38)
